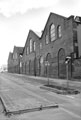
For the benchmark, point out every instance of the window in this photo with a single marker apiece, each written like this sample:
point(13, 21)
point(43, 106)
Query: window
point(34, 46)
point(74, 55)
point(52, 32)
point(47, 40)
point(40, 45)
point(41, 60)
point(59, 31)
point(15, 56)
point(27, 50)
point(76, 50)
point(76, 44)
point(31, 45)
point(20, 64)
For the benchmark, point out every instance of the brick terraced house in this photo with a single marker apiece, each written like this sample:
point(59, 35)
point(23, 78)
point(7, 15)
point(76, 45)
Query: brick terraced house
point(45, 55)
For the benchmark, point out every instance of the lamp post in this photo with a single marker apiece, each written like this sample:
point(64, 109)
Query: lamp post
point(47, 64)
point(35, 65)
point(67, 60)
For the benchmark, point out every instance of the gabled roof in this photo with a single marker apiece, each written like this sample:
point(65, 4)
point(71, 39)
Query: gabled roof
point(39, 33)
point(19, 50)
point(51, 14)
point(30, 31)
point(33, 33)
point(10, 56)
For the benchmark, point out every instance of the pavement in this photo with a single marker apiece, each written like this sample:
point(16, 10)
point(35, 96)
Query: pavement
point(44, 80)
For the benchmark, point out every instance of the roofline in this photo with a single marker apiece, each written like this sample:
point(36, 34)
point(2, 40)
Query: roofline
point(48, 20)
point(58, 15)
point(34, 33)
point(28, 36)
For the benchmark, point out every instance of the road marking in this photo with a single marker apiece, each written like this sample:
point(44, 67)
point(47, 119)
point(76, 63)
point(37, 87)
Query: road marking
point(71, 113)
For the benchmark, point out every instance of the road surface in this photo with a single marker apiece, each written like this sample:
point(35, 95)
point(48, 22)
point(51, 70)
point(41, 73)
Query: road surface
point(19, 93)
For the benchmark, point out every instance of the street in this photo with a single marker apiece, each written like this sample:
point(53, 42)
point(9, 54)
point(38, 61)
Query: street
point(19, 93)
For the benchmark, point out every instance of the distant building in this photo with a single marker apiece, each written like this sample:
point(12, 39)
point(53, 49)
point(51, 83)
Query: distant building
point(31, 54)
point(60, 38)
point(3, 68)
point(14, 60)
point(10, 63)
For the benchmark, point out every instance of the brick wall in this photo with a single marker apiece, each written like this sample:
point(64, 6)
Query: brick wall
point(65, 43)
point(57, 49)
point(76, 68)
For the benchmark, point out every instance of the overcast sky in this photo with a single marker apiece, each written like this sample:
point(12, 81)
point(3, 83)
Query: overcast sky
point(17, 17)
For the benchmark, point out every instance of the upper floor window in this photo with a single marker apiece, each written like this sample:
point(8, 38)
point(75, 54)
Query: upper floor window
point(34, 46)
point(27, 50)
point(20, 64)
point(40, 45)
point(52, 32)
point(31, 45)
point(41, 60)
point(15, 56)
point(47, 40)
point(59, 31)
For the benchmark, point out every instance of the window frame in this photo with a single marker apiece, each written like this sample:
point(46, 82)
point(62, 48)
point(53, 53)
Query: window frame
point(40, 46)
point(27, 50)
point(34, 45)
point(46, 39)
point(52, 32)
point(59, 31)
point(31, 45)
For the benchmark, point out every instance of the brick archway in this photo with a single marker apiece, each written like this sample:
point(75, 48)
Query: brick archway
point(61, 63)
point(48, 57)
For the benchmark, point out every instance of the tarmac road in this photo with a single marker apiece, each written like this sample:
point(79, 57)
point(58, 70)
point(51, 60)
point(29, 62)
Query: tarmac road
point(18, 95)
